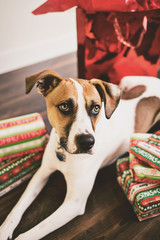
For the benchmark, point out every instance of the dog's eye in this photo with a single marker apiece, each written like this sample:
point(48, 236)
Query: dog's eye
point(64, 107)
point(95, 109)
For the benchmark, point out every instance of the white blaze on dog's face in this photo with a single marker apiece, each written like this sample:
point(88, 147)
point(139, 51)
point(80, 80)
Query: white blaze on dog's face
point(73, 107)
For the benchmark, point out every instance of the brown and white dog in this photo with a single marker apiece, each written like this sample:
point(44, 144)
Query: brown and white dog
point(85, 137)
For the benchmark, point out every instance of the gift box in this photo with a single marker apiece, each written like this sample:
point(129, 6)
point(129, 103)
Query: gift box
point(139, 175)
point(22, 143)
point(112, 45)
point(115, 39)
point(148, 150)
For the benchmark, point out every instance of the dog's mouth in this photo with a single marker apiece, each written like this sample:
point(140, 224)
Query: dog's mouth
point(83, 152)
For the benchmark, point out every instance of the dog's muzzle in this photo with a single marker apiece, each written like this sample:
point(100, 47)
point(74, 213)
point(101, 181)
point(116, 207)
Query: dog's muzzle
point(84, 142)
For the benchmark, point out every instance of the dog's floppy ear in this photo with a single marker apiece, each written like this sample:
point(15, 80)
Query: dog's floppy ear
point(109, 93)
point(46, 81)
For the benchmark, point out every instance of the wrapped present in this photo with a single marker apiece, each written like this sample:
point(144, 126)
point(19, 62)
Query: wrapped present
point(148, 151)
point(143, 160)
point(144, 197)
point(139, 175)
point(139, 137)
point(109, 42)
point(22, 143)
point(112, 35)
point(94, 5)
point(142, 171)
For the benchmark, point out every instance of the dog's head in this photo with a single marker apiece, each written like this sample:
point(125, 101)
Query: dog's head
point(74, 106)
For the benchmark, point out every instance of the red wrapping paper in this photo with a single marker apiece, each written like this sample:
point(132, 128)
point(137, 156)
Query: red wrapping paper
point(97, 6)
point(102, 55)
point(100, 52)
point(22, 137)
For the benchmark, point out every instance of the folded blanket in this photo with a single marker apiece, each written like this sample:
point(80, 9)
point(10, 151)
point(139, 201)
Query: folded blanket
point(22, 143)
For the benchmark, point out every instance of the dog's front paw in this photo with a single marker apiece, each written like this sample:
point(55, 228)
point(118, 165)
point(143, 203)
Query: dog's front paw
point(8, 227)
point(5, 233)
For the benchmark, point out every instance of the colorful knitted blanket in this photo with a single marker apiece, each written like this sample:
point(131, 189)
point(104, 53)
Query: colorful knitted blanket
point(22, 143)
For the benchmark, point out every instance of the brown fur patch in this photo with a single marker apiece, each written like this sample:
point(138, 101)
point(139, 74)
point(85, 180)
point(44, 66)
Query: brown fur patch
point(133, 92)
point(109, 93)
point(64, 91)
point(146, 112)
point(52, 75)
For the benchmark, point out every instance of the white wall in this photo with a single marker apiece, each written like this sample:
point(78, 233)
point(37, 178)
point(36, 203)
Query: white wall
point(26, 39)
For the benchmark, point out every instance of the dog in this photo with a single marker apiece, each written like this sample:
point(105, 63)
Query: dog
point(92, 127)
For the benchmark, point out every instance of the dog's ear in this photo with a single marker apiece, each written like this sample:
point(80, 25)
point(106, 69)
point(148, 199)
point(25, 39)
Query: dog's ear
point(109, 93)
point(46, 82)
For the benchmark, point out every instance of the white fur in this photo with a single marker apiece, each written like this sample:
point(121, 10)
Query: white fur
point(82, 123)
point(112, 139)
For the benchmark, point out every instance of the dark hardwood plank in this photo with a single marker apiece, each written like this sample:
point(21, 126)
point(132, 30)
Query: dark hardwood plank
point(109, 216)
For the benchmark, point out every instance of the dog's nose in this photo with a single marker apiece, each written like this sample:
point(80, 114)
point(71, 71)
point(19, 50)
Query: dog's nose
point(84, 142)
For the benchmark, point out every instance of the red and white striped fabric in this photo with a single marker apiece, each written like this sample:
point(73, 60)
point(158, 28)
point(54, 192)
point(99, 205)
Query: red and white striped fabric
point(22, 143)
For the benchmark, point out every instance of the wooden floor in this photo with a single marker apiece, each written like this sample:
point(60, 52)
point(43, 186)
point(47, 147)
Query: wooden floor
point(108, 215)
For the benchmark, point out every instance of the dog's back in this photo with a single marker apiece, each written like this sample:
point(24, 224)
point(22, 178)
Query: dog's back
point(147, 90)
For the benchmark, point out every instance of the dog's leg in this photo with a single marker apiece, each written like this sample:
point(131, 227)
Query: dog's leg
point(35, 186)
point(74, 204)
